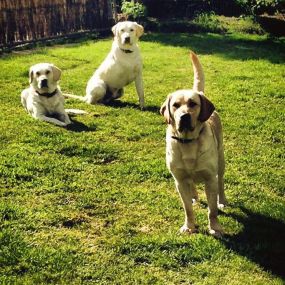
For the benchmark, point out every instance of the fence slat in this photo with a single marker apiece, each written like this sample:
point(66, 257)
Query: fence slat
point(32, 20)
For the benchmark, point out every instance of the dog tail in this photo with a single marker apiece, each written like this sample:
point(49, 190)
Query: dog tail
point(199, 78)
point(67, 95)
point(75, 112)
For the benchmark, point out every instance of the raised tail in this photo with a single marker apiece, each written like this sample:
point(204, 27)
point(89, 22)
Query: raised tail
point(67, 95)
point(199, 78)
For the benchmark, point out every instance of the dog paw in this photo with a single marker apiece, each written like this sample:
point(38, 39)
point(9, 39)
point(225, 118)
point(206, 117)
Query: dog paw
point(187, 230)
point(221, 206)
point(216, 230)
point(216, 233)
point(222, 202)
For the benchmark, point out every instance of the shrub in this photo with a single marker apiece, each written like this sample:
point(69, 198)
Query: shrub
point(244, 25)
point(258, 7)
point(134, 11)
point(209, 22)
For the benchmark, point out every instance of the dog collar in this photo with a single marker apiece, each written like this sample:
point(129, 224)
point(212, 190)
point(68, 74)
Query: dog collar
point(185, 141)
point(48, 95)
point(126, 50)
point(181, 140)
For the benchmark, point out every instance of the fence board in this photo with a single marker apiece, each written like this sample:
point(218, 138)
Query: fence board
point(31, 20)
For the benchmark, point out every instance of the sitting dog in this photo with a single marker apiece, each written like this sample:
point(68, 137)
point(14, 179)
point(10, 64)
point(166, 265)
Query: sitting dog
point(194, 149)
point(44, 100)
point(122, 66)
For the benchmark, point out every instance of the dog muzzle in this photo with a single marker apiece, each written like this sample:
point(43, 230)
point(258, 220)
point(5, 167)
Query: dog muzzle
point(185, 123)
point(44, 83)
point(127, 40)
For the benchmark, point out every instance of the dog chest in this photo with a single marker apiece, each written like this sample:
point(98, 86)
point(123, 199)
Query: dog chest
point(121, 74)
point(50, 105)
point(193, 159)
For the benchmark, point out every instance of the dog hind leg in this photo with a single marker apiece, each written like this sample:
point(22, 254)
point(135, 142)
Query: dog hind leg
point(212, 197)
point(95, 91)
point(119, 93)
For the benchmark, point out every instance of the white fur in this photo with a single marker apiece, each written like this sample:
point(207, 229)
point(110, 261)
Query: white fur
point(202, 159)
point(40, 107)
point(119, 68)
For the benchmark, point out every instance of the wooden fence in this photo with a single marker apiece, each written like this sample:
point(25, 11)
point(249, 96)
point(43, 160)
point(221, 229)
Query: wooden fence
point(24, 21)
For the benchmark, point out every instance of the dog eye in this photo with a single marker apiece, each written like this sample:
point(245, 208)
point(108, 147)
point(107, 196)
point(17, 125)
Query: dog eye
point(192, 104)
point(122, 30)
point(176, 105)
point(37, 73)
point(131, 30)
point(47, 72)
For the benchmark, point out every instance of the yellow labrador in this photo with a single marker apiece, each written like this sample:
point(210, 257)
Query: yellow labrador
point(43, 99)
point(194, 149)
point(122, 66)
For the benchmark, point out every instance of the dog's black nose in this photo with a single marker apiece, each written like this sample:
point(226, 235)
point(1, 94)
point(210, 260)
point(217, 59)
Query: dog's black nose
point(127, 40)
point(44, 83)
point(185, 122)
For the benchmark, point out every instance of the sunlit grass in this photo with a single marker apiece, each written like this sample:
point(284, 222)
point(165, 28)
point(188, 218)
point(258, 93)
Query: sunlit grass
point(95, 204)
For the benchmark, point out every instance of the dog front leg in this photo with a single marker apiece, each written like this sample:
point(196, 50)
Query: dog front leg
point(51, 120)
point(194, 192)
point(211, 188)
point(65, 118)
point(186, 195)
point(222, 201)
point(139, 88)
point(39, 114)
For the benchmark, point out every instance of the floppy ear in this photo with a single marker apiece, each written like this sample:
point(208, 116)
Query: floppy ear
point(164, 110)
point(207, 108)
point(114, 29)
point(31, 75)
point(139, 30)
point(56, 73)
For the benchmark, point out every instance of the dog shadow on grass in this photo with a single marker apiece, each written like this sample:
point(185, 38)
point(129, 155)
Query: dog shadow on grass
point(120, 104)
point(79, 127)
point(261, 240)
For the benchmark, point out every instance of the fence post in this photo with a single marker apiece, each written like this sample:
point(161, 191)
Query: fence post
point(114, 10)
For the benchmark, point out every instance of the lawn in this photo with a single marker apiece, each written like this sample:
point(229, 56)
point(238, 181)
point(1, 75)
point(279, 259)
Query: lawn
point(95, 204)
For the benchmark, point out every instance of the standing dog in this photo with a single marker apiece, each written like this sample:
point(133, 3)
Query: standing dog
point(43, 99)
point(194, 149)
point(122, 66)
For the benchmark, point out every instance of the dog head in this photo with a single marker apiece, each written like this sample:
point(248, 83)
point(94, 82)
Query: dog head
point(127, 33)
point(44, 77)
point(186, 110)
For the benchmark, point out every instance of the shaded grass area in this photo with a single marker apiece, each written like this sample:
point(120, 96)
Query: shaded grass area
point(95, 204)
point(206, 22)
point(235, 46)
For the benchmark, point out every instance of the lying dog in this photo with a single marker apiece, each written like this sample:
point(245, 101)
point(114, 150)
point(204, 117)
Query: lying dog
point(122, 66)
point(194, 149)
point(44, 100)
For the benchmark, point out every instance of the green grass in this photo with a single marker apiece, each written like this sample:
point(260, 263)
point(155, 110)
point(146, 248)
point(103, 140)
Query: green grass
point(95, 204)
point(206, 23)
point(222, 24)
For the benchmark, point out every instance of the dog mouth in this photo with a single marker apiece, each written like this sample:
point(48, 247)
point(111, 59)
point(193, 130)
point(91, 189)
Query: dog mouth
point(185, 123)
